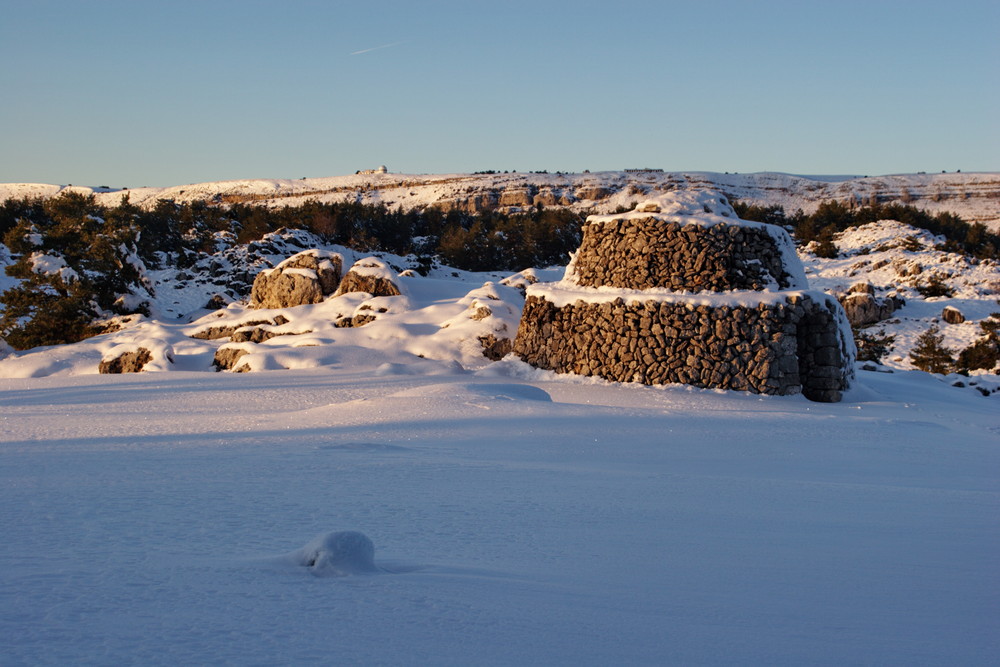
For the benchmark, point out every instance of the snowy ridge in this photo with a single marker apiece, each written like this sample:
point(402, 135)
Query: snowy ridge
point(973, 196)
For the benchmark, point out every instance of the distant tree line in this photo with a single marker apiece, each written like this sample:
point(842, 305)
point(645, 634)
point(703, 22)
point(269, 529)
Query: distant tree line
point(174, 233)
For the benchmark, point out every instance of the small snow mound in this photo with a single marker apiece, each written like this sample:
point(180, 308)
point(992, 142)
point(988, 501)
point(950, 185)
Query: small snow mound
point(339, 554)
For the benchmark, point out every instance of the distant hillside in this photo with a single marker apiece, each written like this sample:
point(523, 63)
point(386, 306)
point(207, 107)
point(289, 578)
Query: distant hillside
point(973, 196)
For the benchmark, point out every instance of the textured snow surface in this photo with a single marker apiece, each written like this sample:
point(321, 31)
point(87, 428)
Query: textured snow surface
point(515, 517)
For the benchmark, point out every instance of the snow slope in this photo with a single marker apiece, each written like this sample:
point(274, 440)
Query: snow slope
point(897, 258)
point(517, 517)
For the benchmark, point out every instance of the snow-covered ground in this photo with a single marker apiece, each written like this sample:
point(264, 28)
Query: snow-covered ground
point(518, 517)
point(897, 258)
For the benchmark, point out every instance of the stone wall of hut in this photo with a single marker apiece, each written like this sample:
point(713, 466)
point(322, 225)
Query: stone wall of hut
point(647, 253)
point(787, 347)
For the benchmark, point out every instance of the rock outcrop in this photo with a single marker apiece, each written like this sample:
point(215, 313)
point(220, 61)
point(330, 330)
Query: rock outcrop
point(148, 354)
point(227, 330)
point(683, 291)
point(370, 275)
point(863, 308)
point(227, 356)
point(131, 361)
point(304, 278)
point(952, 315)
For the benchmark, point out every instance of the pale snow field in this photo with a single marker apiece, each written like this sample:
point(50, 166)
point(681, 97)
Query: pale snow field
point(518, 517)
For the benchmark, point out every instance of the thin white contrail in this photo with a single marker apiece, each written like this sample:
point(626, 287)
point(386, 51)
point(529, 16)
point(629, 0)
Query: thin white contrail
point(374, 48)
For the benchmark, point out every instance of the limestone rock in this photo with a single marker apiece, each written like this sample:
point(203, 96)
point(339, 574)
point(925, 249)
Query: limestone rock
point(304, 278)
point(523, 196)
point(593, 192)
point(952, 315)
point(370, 275)
point(227, 330)
point(227, 356)
point(863, 308)
point(495, 348)
point(131, 361)
point(216, 302)
point(259, 334)
point(861, 288)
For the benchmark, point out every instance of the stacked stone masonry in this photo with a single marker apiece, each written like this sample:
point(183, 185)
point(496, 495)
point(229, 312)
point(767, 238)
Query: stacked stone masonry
point(660, 331)
point(781, 348)
point(642, 254)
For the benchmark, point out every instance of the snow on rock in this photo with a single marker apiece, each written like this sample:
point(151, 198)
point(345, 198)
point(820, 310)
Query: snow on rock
point(304, 278)
point(5, 349)
point(147, 354)
point(371, 275)
point(228, 356)
point(229, 272)
point(952, 315)
point(863, 308)
point(489, 321)
point(339, 554)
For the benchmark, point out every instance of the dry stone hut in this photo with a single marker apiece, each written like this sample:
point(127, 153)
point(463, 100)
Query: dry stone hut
point(681, 290)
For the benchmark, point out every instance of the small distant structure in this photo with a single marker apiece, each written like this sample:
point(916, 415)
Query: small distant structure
point(644, 171)
point(368, 172)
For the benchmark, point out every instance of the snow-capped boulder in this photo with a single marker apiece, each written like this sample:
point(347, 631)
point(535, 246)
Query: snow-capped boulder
point(227, 330)
point(216, 302)
point(495, 348)
point(863, 308)
point(227, 356)
point(521, 280)
point(137, 357)
point(339, 554)
point(952, 315)
point(370, 275)
point(5, 349)
point(259, 334)
point(307, 277)
point(489, 320)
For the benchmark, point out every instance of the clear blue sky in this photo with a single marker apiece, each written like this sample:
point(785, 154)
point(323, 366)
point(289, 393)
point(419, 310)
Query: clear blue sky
point(163, 93)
